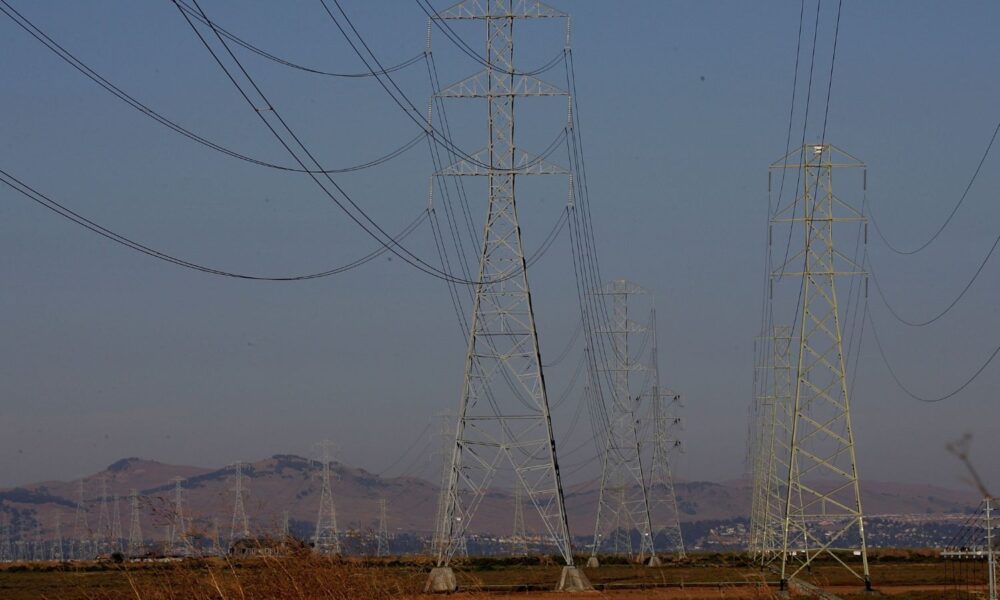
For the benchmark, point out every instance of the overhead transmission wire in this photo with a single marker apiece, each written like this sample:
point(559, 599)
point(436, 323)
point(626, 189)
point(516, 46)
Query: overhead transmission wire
point(285, 62)
point(979, 270)
point(954, 210)
point(70, 59)
point(907, 390)
point(362, 219)
point(767, 309)
point(805, 124)
point(469, 51)
point(75, 217)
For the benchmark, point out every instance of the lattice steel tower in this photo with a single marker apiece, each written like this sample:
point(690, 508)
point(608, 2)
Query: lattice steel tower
point(663, 509)
point(135, 543)
point(822, 514)
point(504, 418)
point(623, 503)
point(240, 524)
point(770, 452)
point(382, 539)
point(326, 540)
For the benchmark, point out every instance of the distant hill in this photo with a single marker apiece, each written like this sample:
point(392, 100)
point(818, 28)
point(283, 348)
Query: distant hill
point(292, 483)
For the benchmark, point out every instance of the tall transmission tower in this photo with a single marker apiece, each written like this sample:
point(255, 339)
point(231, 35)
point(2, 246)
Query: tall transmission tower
point(6, 549)
point(116, 524)
point(822, 514)
point(382, 539)
point(326, 540)
point(623, 502)
point(499, 425)
point(181, 538)
point(771, 450)
point(81, 529)
point(663, 507)
point(447, 436)
point(57, 540)
point(135, 543)
point(240, 525)
point(519, 537)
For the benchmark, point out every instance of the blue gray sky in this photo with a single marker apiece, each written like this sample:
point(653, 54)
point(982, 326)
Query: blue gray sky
point(107, 353)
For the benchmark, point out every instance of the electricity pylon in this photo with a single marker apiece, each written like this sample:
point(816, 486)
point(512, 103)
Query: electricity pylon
point(663, 509)
point(181, 538)
point(623, 501)
point(103, 532)
point(519, 537)
point(326, 540)
point(504, 418)
point(382, 540)
point(822, 506)
point(135, 544)
point(773, 424)
point(57, 541)
point(81, 529)
point(6, 549)
point(116, 524)
point(240, 525)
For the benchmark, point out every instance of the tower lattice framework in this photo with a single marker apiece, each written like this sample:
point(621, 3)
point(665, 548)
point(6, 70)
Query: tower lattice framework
point(326, 538)
point(770, 450)
point(135, 540)
point(623, 502)
point(239, 527)
point(666, 424)
point(504, 420)
point(822, 513)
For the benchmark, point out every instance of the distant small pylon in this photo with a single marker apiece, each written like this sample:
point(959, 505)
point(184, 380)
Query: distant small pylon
point(383, 530)
point(38, 544)
point(103, 532)
point(135, 546)
point(216, 542)
point(57, 541)
point(6, 550)
point(327, 538)
point(240, 526)
point(116, 524)
point(181, 539)
point(81, 528)
point(519, 537)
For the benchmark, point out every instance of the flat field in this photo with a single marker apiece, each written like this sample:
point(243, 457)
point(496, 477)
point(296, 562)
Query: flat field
point(311, 578)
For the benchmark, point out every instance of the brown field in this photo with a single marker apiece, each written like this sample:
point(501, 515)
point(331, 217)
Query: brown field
point(308, 578)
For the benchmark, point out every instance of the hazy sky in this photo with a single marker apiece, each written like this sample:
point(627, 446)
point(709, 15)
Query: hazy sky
point(108, 353)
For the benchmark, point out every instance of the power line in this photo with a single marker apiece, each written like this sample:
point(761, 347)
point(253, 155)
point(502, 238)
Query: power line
point(947, 309)
point(469, 51)
point(269, 56)
point(70, 59)
point(372, 228)
point(954, 210)
point(906, 390)
point(67, 213)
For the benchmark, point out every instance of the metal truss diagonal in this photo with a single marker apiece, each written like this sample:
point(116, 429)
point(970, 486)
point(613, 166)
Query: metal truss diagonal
point(494, 9)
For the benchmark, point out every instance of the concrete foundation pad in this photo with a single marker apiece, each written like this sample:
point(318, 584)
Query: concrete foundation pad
point(442, 581)
point(654, 561)
point(573, 580)
point(593, 563)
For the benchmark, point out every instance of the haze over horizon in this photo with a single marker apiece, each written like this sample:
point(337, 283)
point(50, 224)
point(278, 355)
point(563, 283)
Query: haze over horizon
point(111, 354)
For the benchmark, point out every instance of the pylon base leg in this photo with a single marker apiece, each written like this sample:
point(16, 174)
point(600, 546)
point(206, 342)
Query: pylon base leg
point(654, 561)
point(593, 563)
point(573, 580)
point(441, 581)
